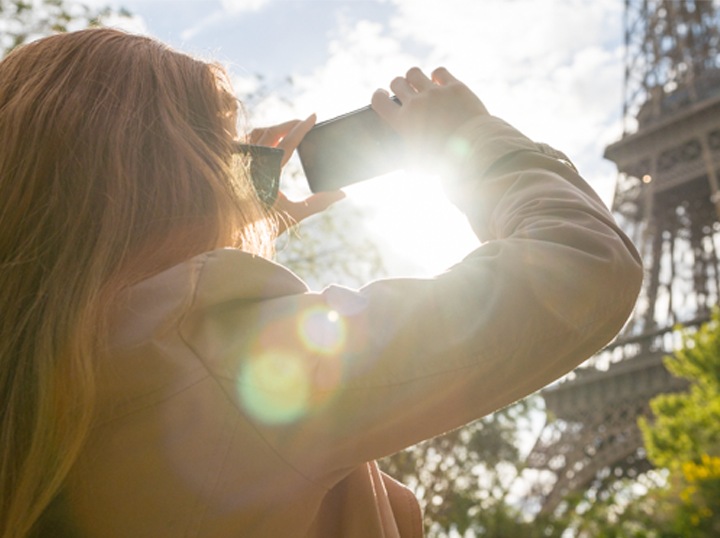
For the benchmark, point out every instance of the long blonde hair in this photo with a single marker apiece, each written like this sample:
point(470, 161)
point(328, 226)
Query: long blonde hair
point(115, 163)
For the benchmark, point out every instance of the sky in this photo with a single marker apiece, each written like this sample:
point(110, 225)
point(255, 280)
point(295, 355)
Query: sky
point(552, 68)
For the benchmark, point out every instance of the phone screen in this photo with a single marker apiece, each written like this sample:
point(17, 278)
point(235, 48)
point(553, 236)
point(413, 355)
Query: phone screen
point(348, 149)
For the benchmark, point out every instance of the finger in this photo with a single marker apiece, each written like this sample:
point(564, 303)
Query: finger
point(386, 108)
point(292, 139)
point(442, 76)
point(402, 88)
point(269, 136)
point(273, 134)
point(418, 79)
point(320, 201)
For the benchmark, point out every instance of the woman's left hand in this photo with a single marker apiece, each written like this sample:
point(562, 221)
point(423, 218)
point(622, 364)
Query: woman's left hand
point(287, 136)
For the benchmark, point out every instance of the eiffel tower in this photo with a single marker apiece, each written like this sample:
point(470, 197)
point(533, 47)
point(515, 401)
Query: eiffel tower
point(667, 199)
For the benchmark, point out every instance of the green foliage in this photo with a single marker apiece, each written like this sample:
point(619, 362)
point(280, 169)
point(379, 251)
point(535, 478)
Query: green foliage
point(687, 424)
point(626, 508)
point(699, 508)
point(680, 498)
point(684, 438)
point(24, 20)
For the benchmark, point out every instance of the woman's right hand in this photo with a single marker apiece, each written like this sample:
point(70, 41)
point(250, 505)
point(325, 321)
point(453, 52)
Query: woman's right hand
point(287, 136)
point(431, 109)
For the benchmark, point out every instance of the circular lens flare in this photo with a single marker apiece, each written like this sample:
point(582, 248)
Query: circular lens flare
point(284, 379)
point(275, 387)
point(322, 330)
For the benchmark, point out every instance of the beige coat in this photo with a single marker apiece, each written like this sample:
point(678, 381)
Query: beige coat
point(236, 403)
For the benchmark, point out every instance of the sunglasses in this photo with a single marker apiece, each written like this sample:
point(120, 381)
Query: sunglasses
point(265, 166)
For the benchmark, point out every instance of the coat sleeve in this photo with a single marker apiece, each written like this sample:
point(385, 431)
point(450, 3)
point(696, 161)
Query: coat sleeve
point(334, 379)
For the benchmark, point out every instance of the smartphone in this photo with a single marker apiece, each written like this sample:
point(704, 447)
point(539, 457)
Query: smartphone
point(353, 147)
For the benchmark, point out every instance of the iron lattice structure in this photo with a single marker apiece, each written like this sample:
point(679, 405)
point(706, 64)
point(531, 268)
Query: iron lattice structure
point(667, 199)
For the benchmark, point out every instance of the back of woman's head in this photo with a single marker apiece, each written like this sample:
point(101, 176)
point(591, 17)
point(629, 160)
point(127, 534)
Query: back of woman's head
point(114, 137)
point(115, 163)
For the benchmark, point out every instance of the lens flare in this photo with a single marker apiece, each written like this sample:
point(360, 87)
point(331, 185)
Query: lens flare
point(287, 375)
point(322, 330)
point(458, 147)
point(275, 387)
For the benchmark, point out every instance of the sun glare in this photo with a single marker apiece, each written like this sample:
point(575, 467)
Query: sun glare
point(419, 231)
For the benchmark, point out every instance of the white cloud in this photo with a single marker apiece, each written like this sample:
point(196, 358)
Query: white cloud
point(238, 6)
point(203, 24)
point(134, 24)
point(362, 58)
point(245, 84)
point(227, 8)
point(552, 68)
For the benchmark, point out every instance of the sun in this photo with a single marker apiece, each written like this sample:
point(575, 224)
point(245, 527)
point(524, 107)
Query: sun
point(418, 230)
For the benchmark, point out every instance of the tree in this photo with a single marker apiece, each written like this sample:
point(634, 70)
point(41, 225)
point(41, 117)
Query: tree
point(684, 436)
point(681, 497)
point(466, 480)
point(24, 20)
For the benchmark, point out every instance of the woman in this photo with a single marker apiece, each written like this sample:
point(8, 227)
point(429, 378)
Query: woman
point(160, 377)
